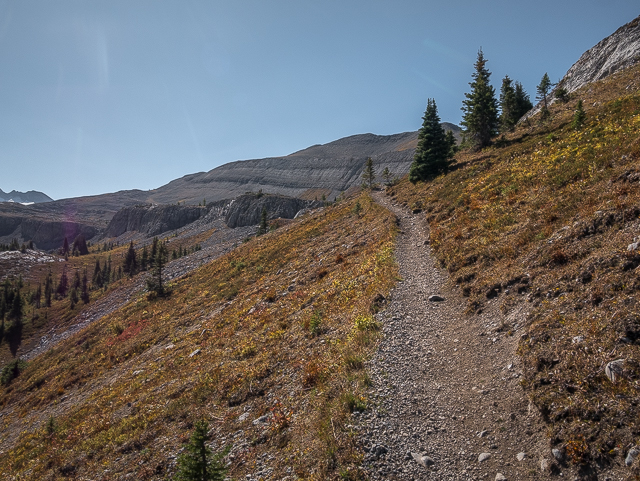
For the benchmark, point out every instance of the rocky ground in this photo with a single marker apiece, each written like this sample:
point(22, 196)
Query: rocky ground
point(447, 404)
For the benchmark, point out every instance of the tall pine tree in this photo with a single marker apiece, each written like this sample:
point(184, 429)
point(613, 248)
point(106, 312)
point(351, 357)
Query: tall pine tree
point(543, 89)
point(480, 117)
point(523, 102)
point(434, 151)
point(508, 105)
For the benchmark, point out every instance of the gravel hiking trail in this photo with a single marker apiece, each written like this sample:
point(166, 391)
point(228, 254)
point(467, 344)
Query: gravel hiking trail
point(446, 400)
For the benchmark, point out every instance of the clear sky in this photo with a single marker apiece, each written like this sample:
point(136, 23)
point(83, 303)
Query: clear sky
point(99, 96)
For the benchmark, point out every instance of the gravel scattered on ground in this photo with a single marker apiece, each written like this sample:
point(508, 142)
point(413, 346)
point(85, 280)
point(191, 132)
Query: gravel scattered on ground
point(446, 384)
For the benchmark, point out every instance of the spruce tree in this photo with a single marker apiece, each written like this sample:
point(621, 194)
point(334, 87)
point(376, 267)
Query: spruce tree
point(579, 116)
point(48, 290)
point(368, 174)
point(16, 307)
point(144, 259)
point(155, 282)
point(543, 89)
point(387, 176)
point(480, 117)
point(508, 105)
point(85, 288)
point(434, 151)
point(523, 102)
point(264, 226)
point(130, 261)
point(63, 285)
point(198, 462)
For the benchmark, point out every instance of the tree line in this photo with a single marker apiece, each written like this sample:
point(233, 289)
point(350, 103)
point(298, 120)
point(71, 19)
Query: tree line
point(484, 117)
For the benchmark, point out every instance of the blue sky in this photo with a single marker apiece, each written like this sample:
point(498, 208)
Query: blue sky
point(103, 96)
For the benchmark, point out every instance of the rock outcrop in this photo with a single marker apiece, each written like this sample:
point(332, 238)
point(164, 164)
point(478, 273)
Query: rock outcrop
point(616, 52)
point(246, 210)
point(152, 219)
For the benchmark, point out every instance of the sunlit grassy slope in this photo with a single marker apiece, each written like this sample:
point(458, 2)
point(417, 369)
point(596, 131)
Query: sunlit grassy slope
point(279, 327)
point(547, 215)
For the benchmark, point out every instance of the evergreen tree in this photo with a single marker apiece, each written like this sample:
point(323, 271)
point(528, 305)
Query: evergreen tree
point(523, 102)
point(154, 250)
point(16, 307)
point(452, 143)
point(508, 105)
point(80, 245)
point(387, 176)
point(76, 280)
point(198, 462)
point(368, 174)
point(434, 152)
point(579, 116)
point(480, 117)
point(85, 288)
point(130, 261)
point(65, 247)
point(543, 89)
point(155, 282)
point(73, 296)
point(48, 290)
point(63, 285)
point(264, 225)
point(144, 259)
point(96, 280)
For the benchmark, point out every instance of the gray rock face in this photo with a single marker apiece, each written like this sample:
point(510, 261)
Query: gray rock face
point(321, 169)
point(616, 52)
point(153, 219)
point(246, 210)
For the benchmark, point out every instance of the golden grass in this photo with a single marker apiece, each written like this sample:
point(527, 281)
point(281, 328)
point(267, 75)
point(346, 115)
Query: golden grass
point(280, 326)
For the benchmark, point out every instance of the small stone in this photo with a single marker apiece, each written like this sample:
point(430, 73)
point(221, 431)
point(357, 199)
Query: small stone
point(631, 456)
point(545, 465)
point(521, 456)
point(436, 298)
point(425, 461)
point(558, 454)
point(195, 353)
point(614, 369)
point(633, 247)
point(483, 457)
point(500, 477)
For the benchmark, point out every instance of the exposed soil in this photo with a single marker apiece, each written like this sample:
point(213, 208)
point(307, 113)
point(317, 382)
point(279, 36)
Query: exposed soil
point(446, 384)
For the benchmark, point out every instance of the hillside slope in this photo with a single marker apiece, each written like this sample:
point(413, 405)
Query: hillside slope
point(267, 343)
point(549, 217)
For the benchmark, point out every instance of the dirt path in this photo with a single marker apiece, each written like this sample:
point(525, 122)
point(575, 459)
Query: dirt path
point(445, 384)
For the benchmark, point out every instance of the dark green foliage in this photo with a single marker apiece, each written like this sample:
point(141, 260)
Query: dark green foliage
point(144, 259)
point(543, 89)
point(85, 288)
point(80, 245)
point(73, 296)
point(368, 174)
point(48, 290)
point(579, 116)
point(508, 105)
point(65, 247)
point(264, 226)
point(480, 117)
point(131, 261)
point(16, 307)
point(562, 95)
point(12, 371)
point(155, 283)
point(198, 462)
point(63, 284)
point(387, 176)
point(523, 102)
point(96, 280)
point(434, 151)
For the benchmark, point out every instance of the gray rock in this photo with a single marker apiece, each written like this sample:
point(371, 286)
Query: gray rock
point(436, 298)
point(613, 370)
point(558, 454)
point(483, 457)
point(521, 456)
point(261, 420)
point(631, 456)
point(633, 247)
point(500, 477)
point(425, 461)
point(195, 353)
point(545, 465)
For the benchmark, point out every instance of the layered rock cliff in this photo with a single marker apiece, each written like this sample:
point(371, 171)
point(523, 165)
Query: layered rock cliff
point(152, 219)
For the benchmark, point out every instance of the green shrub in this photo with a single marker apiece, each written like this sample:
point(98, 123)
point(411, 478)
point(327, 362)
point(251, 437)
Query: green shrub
point(12, 371)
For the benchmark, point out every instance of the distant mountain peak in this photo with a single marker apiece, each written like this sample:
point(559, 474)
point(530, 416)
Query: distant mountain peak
point(30, 197)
